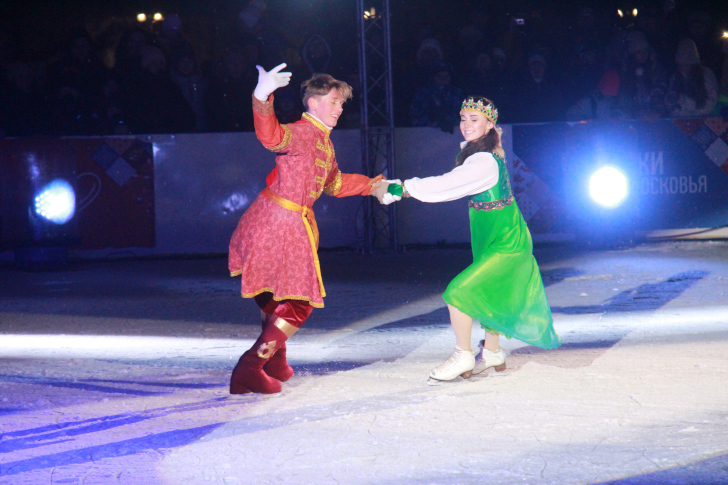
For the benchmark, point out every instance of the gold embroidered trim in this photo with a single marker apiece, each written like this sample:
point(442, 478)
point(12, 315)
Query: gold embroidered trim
point(282, 298)
point(267, 349)
point(263, 107)
point(323, 164)
point(318, 125)
point(335, 186)
point(237, 272)
point(285, 142)
point(285, 327)
point(317, 193)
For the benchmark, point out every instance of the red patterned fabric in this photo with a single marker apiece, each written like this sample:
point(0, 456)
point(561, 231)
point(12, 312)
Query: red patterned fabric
point(270, 247)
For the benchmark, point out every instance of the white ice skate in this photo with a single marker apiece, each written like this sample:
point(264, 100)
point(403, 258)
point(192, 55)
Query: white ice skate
point(460, 363)
point(488, 359)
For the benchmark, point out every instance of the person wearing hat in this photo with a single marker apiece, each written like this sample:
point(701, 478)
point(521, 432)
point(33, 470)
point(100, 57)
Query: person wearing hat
point(502, 289)
point(643, 80)
point(602, 104)
point(693, 88)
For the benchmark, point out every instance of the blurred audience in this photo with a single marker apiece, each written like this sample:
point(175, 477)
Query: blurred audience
point(538, 63)
point(191, 81)
point(538, 94)
point(602, 103)
point(153, 102)
point(23, 101)
point(229, 100)
point(643, 80)
point(75, 84)
point(693, 88)
point(437, 103)
point(481, 75)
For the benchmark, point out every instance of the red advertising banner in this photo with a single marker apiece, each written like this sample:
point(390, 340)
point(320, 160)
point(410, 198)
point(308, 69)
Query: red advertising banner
point(114, 183)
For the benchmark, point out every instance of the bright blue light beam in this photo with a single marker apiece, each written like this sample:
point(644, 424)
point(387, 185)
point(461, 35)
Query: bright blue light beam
point(608, 186)
point(56, 202)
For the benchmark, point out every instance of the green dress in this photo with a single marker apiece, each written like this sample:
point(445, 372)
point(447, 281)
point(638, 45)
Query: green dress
point(502, 289)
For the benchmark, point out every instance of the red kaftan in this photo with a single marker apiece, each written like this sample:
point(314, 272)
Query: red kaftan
point(270, 248)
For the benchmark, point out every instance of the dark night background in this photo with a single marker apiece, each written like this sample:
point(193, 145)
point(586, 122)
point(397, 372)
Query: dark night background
point(442, 50)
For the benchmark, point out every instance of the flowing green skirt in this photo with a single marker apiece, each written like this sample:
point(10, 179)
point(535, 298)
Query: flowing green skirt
point(503, 289)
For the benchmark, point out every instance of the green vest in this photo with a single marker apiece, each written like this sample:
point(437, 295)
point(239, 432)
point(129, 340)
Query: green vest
point(498, 196)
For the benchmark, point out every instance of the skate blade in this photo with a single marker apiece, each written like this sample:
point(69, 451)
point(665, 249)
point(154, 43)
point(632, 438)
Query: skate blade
point(435, 382)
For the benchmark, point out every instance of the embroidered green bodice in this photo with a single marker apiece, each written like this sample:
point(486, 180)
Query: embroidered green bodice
point(498, 196)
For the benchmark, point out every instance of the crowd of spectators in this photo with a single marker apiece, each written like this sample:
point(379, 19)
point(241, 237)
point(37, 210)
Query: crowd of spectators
point(539, 64)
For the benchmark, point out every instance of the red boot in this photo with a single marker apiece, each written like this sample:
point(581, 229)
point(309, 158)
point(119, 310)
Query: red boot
point(248, 375)
point(277, 366)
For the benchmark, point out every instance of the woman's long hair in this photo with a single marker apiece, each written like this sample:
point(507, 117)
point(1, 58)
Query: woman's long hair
point(486, 143)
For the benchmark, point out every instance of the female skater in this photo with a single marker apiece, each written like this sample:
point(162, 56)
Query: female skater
point(502, 289)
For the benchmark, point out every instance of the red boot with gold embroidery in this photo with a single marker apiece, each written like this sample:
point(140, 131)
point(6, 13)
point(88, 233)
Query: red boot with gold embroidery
point(248, 374)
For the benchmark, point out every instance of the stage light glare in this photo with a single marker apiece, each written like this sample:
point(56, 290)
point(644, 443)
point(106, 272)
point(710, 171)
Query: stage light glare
point(141, 17)
point(634, 12)
point(619, 12)
point(158, 17)
point(608, 186)
point(56, 202)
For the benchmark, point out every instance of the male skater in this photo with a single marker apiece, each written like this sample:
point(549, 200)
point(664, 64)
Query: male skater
point(275, 245)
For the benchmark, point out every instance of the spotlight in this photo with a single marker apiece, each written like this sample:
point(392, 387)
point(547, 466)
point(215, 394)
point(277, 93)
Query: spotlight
point(619, 12)
point(56, 202)
point(635, 12)
point(158, 17)
point(38, 217)
point(142, 17)
point(608, 186)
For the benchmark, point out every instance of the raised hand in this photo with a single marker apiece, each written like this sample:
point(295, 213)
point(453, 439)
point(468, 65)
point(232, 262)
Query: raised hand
point(270, 81)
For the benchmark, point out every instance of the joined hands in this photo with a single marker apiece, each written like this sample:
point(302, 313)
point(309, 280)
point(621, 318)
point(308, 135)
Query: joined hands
point(380, 191)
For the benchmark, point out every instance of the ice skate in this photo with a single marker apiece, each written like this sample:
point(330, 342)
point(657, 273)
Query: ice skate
point(488, 359)
point(460, 363)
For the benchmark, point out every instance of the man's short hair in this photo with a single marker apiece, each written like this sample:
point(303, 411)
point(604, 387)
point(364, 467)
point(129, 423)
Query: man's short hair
point(321, 85)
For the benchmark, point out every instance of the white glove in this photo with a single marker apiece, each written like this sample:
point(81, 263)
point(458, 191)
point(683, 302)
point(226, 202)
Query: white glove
point(390, 198)
point(270, 81)
point(384, 197)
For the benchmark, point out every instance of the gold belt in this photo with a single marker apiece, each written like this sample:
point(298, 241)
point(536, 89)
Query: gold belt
point(309, 222)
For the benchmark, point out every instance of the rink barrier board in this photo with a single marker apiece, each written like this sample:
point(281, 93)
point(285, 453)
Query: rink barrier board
point(184, 194)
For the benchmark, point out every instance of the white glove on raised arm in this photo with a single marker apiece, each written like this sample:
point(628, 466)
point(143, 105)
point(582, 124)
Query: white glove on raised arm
point(270, 81)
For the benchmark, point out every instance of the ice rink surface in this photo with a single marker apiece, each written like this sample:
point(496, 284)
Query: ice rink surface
point(117, 372)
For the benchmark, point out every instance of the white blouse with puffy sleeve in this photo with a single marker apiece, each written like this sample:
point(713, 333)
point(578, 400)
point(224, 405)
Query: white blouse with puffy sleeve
point(477, 174)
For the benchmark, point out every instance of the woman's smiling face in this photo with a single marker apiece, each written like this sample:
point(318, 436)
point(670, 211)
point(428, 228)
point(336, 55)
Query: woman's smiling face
point(474, 125)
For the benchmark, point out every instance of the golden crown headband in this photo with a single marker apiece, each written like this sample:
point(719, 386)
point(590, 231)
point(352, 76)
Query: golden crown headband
point(487, 110)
